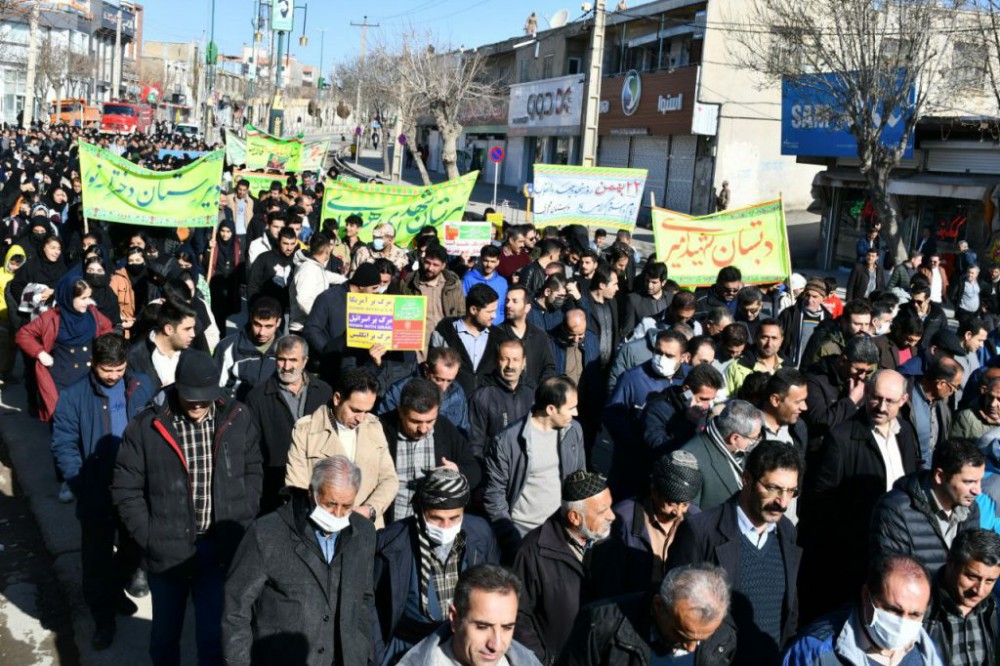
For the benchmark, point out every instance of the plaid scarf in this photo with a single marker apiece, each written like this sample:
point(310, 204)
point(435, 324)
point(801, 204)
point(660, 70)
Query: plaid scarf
point(442, 568)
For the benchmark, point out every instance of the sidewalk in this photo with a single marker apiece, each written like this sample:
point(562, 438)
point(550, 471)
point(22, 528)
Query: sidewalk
point(27, 441)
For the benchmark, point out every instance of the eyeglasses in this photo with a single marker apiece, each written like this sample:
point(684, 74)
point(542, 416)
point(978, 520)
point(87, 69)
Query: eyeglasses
point(729, 290)
point(875, 401)
point(754, 441)
point(773, 492)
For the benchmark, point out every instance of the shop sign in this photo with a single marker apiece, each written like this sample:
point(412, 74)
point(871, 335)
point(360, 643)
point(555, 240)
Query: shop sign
point(670, 103)
point(631, 92)
point(552, 107)
point(665, 109)
point(811, 124)
point(109, 18)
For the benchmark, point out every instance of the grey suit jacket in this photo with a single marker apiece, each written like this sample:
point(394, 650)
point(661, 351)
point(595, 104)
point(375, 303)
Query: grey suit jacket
point(718, 481)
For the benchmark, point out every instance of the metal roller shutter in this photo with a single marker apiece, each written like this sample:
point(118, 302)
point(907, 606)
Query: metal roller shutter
point(613, 151)
point(650, 153)
point(961, 160)
point(680, 177)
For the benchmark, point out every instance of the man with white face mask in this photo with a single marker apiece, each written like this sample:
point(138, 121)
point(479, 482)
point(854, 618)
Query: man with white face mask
point(884, 629)
point(432, 547)
point(300, 583)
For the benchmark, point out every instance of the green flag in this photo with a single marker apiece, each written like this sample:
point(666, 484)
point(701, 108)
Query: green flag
point(407, 207)
point(117, 190)
point(236, 148)
point(270, 152)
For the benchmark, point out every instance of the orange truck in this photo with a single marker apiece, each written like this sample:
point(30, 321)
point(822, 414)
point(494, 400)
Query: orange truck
point(125, 118)
point(75, 112)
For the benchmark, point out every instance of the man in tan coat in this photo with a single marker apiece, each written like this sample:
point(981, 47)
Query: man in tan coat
point(347, 428)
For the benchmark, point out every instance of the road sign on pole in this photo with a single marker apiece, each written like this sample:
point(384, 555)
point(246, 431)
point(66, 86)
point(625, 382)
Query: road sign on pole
point(496, 156)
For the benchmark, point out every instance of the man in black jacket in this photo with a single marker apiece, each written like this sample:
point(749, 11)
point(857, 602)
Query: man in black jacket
point(537, 347)
point(300, 588)
point(246, 358)
point(288, 395)
point(859, 460)
point(503, 398)
point(271, 273)
point(925, 510)
point(470, 334)
point(187, 484)
point(920, 306)
point(750, 537)
point(649, 300)
point(440, 537)
point(963, 618)
point(158, 355)
point(686, 621)
point(419, 441)
point(837, 387)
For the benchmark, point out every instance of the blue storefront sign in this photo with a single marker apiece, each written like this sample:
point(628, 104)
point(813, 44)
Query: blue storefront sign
point(809, 128)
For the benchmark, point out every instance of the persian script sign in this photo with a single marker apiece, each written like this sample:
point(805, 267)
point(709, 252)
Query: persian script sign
point(405, 207)
point(598, 196)
point(395, 322)
point(117, 190)
point(754, 239)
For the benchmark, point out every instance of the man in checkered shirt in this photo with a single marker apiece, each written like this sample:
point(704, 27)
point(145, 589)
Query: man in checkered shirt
point(187, 484)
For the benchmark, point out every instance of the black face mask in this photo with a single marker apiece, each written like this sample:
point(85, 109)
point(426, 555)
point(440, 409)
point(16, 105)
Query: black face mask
point(135, 270)
point(96, 281)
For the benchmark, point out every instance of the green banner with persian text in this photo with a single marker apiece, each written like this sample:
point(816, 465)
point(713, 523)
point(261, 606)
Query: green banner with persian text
point(270, 152)
point(753, 238)
point(405, 207)
point(117, 190)
point(236, 148)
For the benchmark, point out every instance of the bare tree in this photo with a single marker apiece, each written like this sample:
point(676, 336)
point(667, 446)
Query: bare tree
point(866, 65)
point(80, 67)
point(450, 85)
point(52, 66)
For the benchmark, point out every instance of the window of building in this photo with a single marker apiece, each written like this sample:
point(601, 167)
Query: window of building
point(547, 62)
point(969, 65)
point(783, 55)
point(574, 65)
point(524, 76)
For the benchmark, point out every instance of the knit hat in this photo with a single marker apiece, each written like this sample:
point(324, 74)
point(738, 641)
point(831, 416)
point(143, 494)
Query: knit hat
point(818, 285)
point(197, 377)
point(442, 488)
point(797, 281)
point(581, 485)
point(676, 477)
point(366, 276)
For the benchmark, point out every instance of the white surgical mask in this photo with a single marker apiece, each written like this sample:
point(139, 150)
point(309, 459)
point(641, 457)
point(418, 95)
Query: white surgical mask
point(891, 631)
point(883, 328)
point(665, 366)
point(328, 522)
point(442, 535)
point(381, 289)
point(378, 244)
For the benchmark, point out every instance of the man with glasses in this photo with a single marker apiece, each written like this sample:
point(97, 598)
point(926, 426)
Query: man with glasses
point(928, 410)
point(926, 510)
point(723, 292)
point(930, 314)
point(837, 387)
point(860, 459)
point(750, 537)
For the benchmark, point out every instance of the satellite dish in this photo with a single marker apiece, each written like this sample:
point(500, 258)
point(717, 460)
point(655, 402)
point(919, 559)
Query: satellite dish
point(559, 19)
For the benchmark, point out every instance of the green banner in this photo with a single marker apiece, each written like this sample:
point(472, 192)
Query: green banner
point(236, 149)
point(406, 207)
point(754, 239)
point(314, 155)
point(270, 152)
point(258, 180)
point(116, 190)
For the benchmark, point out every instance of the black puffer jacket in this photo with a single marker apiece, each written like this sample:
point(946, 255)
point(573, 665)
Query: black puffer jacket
point(903, 523)
point(152, 490)
point(493, 407)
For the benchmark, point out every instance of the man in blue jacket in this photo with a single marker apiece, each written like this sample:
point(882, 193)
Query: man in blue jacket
point(418, 561)
point(87, 429)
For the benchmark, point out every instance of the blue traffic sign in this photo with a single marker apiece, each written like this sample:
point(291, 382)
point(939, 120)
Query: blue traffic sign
point(496, 154)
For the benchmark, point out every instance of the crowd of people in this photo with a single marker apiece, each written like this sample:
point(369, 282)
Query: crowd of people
point(586, 463)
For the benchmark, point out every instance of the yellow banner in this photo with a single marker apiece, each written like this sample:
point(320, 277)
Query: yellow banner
point(754, 239)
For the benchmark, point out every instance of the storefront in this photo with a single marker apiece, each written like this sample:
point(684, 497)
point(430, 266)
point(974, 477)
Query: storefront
point(646, 123)
point(543, 125)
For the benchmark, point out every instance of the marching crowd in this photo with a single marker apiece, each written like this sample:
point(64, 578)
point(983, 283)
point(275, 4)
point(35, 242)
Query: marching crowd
point(586, 464)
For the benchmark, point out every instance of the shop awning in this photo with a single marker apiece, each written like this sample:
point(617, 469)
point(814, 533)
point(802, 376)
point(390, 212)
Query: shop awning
point(943, 185)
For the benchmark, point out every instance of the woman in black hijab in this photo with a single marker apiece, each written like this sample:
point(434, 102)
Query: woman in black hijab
point(44, 267)
point(225, 283)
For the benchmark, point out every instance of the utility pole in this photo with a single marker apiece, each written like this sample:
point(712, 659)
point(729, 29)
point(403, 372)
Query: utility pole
point(364, 25)
point(212, 56)
point(29, 82)
point(592, 108)
point(116, 61)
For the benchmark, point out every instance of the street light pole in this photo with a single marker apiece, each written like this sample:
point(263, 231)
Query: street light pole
point(213, 56)
point(595, 71)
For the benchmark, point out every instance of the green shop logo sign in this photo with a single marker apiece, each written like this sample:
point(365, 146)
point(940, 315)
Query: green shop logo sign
point(631, 92)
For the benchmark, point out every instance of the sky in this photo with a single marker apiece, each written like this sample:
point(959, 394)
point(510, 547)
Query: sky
point(450, 22)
